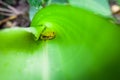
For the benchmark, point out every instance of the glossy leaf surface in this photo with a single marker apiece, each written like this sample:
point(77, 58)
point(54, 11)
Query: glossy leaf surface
point(86, 47)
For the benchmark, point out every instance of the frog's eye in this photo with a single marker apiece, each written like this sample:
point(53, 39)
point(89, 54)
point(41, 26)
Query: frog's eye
point(47, 36)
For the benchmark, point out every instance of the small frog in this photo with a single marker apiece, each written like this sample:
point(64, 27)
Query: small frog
point(47, 36)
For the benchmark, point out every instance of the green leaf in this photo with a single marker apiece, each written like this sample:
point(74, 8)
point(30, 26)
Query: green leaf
point(59, 1)
point(118, 2)
point(32, 12)
point(86, 47)
point(100, 7)
point(36, 5)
